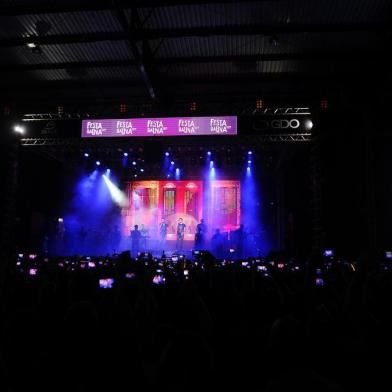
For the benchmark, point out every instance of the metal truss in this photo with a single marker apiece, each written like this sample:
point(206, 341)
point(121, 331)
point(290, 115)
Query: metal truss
point(51, 142)
point(268, 111)
point(74, 142)
point(289, 138)
point(279, 111)
point(51, 116)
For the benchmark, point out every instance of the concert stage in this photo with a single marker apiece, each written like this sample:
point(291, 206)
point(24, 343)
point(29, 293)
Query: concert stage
point(123, 173)
point(151, 201)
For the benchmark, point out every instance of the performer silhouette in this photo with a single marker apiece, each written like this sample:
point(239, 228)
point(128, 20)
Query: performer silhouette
point(162, 234)
point(135, 238)
point(180, 234)
point(201, 232)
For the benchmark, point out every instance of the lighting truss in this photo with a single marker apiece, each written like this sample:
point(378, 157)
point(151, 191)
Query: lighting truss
point(278, 138)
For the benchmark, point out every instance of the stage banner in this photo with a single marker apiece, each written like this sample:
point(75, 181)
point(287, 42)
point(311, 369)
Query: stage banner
point(170, 126)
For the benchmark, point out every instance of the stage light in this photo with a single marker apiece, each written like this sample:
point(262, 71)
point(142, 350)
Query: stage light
point(98, 163)
point(211, 164)
point(134, 163)
point(60, 220)
point(248, 169)
point(86, 154)
point(107, 172)
point(250, 153)
point(177, 176)
point(168, 176)
point(119, 197)
point(167, 154)
point(142, 170)
point(135, 175)
point(308, 125)
point(31, 45)
point(208, 152)
point(249, 162)
point(172, 162)
point(125, 154)
point(19, 129)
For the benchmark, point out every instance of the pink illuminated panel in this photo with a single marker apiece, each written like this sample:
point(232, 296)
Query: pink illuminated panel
point(168, 126)
point(150, 201)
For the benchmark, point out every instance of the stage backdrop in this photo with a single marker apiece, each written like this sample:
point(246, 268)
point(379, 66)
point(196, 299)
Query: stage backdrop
point(217, 202)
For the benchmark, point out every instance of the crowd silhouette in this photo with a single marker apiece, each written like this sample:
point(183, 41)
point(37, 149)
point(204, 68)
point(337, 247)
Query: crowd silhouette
point(260, 324)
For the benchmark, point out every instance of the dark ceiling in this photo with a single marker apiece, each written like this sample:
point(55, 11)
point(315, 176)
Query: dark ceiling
point(88, 55)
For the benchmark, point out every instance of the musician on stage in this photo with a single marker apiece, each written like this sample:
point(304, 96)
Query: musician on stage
point(162, 234)
point(201, 233)
point(135, 237)
point(180, 234)
point(144, 237)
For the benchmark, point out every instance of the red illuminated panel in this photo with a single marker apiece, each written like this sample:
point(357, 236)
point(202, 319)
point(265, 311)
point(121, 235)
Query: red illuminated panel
point(150, 201)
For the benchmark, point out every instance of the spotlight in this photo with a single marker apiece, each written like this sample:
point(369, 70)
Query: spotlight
point(208, 152)
point(212, 173)
point(107, 171)
point(116, 194)
point(248, 169)
point(172, 162)
point(249, 162)
point(168, 176)
point(31, 45)
point(308, 124)
point(60, 220)
point(98, 163)
point(19, 129)
point(135, 175)
point(212, 164)
point(250, 153)
point(125, 154)
point(86, 154)
point(167, 154)
point(134, 163)
point(142, 170)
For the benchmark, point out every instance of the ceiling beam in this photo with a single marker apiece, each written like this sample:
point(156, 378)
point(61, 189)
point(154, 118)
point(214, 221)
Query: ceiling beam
point(47, 7)
point(207, 79)
point(263, 29)
point(309, 56)
point(150, 34)
point(141, 58)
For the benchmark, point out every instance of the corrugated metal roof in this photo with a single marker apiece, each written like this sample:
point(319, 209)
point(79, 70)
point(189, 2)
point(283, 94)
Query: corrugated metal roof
point(62, 23)
point(189, 71)
point(267, 12)
point(89, 51)
point(259, 44)
point(302, 12)
point(104, 73)
point(184, 71)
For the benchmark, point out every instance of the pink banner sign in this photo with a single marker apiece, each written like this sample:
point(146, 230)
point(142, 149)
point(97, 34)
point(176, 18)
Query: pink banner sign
point(170, 126)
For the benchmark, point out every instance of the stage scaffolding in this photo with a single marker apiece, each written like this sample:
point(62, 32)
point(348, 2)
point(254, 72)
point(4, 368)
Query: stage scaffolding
point(50, 146)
